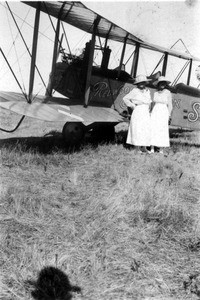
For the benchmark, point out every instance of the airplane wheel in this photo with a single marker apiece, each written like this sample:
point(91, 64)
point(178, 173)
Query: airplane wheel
point(73, 133)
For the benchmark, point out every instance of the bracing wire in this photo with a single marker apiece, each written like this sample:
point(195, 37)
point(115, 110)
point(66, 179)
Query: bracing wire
point(79, 42)
point(83, 38)
point(161, 59)
point(185, 46)
point(101, 48)
point(180, 73)
point(66, 37)
point(21, 56)
point(129, 57)
point(16, 61)
point(27, 48)
point(172, 71)
point(143, 61)
point(50, 18)
point(35, 96)
point(96, 54)
point(13, 73)
point(8, 53)
point(41, 33)
point(25, 43)
point(114, 57)
point(13, 45)
point(22, 118)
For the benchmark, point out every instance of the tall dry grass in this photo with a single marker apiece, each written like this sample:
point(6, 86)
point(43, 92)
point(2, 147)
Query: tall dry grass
point(121, 225)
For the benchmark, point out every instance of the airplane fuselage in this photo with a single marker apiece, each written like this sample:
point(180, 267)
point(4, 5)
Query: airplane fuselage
point(107, 90)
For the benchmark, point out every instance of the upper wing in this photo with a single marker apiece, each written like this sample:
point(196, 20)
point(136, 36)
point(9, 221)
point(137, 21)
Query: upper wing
point(57, 109)
point(78, 15)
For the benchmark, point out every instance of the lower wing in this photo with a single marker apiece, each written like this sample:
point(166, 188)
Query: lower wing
point(57, 109)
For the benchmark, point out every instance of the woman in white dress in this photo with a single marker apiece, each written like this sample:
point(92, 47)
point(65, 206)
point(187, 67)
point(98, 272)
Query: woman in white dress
point(139, 99)
point(160, 115)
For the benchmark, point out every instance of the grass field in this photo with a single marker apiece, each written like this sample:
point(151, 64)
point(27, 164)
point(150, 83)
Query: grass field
point(121, 225)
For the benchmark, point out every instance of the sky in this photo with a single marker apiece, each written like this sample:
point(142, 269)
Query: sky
point(158, 22)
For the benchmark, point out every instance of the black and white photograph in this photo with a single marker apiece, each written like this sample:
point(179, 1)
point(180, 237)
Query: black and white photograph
point(100, 150)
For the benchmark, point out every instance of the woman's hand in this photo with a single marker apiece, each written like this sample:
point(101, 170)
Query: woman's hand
point(132, 106)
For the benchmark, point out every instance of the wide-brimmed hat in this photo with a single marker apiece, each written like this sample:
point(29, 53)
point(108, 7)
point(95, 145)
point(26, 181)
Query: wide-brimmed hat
point(161, 79)
point(141, 78)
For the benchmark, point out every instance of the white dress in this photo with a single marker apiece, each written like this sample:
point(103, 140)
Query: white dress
point(139, 132)
point(160, 118)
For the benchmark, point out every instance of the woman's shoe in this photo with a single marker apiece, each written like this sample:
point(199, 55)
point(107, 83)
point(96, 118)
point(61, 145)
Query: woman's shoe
point(144, 149)
point(152, 149)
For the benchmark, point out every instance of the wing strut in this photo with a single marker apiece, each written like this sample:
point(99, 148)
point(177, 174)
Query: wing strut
point(34, 52)
point(56, 41)
point(90, 62)
point(24, 41)
point(64, 28)
point(122, 55)
point(189, 73)
point(135, 61)
point(165, 64)
point(107, 36)
point(50, 88)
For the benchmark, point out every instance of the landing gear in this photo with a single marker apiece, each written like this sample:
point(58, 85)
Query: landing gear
point(73, 133)
point(103, 132)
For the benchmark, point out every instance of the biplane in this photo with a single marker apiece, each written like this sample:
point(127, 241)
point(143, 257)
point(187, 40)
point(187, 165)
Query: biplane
point(92, 94)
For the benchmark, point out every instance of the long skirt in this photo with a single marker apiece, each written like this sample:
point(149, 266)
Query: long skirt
point(159, 126)
point(139, 132)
